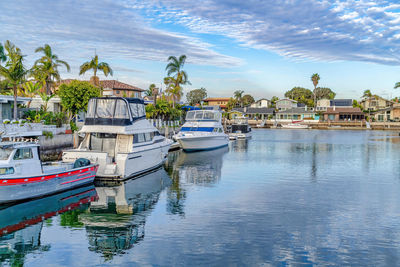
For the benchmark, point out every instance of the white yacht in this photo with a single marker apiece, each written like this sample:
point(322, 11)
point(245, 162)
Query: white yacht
point(120, 139)
point(202, 131)
point(240, 128)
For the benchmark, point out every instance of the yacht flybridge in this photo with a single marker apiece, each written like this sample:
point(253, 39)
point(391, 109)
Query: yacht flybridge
point(202, 131)
point(120, 139)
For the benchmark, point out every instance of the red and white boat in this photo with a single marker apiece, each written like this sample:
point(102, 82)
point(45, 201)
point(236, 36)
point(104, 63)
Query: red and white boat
point(23, 176)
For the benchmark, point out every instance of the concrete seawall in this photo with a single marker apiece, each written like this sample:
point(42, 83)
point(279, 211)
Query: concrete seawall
point(51, 147)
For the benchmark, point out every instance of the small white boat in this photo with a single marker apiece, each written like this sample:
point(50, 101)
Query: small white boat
point(23, 176)
point(295, 125)
point(240, 129)
point(202, 131)
point(120, 139)
point(261, 125)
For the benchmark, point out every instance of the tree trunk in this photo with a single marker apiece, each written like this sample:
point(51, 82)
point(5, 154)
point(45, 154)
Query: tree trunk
point(48, 91)
point(15, 101)
point(315, 97)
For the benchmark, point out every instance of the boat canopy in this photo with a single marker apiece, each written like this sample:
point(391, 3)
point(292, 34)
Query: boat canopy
point(114, 111)
point(203, 115)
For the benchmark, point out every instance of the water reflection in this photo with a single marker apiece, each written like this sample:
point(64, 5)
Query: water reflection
point(21, 224)
point(201, 168)
point(116, 221)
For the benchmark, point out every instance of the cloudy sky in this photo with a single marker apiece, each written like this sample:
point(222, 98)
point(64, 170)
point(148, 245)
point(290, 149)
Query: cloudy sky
point(262, 47)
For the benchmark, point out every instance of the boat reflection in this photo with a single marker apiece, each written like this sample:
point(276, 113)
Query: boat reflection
point(21, 224)
point(116, 221)
point(201, 168)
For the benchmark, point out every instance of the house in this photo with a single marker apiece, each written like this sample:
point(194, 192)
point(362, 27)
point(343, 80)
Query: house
point(387, 114)
point(115, 88)
point(54, 104)
point(297, 113)
point(375, 103)
point(222, 102)
point(343, 114)
point(284, 104)
point(324, 104)
point(6, 106)
point(261, 103)
point(256, 113)
point(121, 89)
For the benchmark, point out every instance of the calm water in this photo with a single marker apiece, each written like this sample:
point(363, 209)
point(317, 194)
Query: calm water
point(286, 197)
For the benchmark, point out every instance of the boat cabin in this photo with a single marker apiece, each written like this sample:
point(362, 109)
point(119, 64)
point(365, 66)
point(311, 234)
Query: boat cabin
point(115, 111)
point(203, 115)
point(19, 158)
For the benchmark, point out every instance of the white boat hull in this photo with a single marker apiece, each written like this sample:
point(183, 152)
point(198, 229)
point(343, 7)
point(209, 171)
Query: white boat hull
point(195, 143)
point(235, 136)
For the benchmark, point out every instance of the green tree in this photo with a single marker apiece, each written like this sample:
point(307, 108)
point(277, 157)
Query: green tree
point(397, 85)
point(315, 79)
point(367, 94)
point(95, 66)
point(45, 69)
point(301, 95)
point(196, 96)
point(30, 89)
point(324, 93)
point(174, 83)
point(247, 100)
point(356, 104)
point(14, 70)
point(231, 103)
point(75, 96)
point(273, 101)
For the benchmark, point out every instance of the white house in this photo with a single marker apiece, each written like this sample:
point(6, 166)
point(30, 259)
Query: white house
point(285, 104)
point(6, 108)
point(261, 103)
point(54, 104)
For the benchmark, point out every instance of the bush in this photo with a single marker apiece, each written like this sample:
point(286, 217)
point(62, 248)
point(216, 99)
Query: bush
point(48, 134)
point(48, 118)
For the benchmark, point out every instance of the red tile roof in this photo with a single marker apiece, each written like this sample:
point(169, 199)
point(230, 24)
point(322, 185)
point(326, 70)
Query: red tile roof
point(112, 84)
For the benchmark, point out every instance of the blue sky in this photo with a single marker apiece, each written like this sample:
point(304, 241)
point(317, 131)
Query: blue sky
point(262, 47)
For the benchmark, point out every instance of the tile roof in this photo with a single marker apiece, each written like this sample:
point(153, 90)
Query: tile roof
point(113, 84)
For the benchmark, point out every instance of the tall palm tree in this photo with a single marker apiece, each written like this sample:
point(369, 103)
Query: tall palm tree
point(45, 69)
point(149, 92)
point(30, 89)
point(238, 94)
point(95, 66)
point(3, 56)
point(174, 90)
point(315, 79)
point(397, 85)
point(14, 70)
point(175, 68)
point(367, 94)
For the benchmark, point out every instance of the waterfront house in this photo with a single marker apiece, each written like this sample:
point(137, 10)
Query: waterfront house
point(286, 103)
point(121, 89)
point(375, 103)
point(53, 105)
point(256, 113)
point(324, 104)
point(261, 103)
point(222, 102)
point(6, 106)
point(387, 114)
point(343, 114)
point(297, 113)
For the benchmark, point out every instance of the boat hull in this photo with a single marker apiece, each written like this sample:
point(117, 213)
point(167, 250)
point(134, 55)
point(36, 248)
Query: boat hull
point(195, 143)
point(24, 188)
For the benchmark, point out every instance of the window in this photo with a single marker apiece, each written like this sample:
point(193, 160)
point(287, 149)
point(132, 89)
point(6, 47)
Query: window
point(23, 153)
point(5, 153)
point(105, 108)
point(6, 170)
point(121, 112)
point(117, 92)
point(139, 138)
point(148, 137)
point(190, 115)
point(199, 115)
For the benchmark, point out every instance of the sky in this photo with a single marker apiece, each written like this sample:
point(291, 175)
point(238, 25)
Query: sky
point(264, 48)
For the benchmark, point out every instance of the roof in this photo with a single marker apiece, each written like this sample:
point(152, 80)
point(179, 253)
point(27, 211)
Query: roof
point(296, 111)
point(356, 111)
point(255, 110)
point(262, 99)
point(114, 84)
point(216, 99)
point(376, 97)
point(294, 101)
point(10, 98)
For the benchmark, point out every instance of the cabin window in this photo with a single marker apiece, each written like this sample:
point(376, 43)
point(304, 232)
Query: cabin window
point(23, 153)
point(134, 110)
point(208, 115)
point(139, 138)
point(190, 115)
point(91, 108)
point(148, 137)
point(104, 142)
point(121, 112)
point(5, 153)
point(105, 108)
point(199, 115)
point(5, 171)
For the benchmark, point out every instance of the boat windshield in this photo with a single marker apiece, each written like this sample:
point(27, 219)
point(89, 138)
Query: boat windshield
point(5, 153)
point(203, 115)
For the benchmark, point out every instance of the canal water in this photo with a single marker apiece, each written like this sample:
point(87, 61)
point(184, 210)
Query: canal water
point(285, 197)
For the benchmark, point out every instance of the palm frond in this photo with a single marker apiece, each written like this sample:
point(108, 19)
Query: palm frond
point(85, 67)
point(397, 85)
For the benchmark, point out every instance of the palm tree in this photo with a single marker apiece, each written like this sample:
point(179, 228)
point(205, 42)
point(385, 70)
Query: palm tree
point(315, 79)
point(238, 94)
point(179, 78)
point(95, 66)
point(149, 92)
point(3, 56)
point(30, 89)
point(14, 70)
point(397, 85)
point(367, 94)
point(174, 90)
point(45, 69)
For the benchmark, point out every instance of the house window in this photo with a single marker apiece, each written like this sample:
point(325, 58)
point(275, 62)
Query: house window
point(117, 92)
